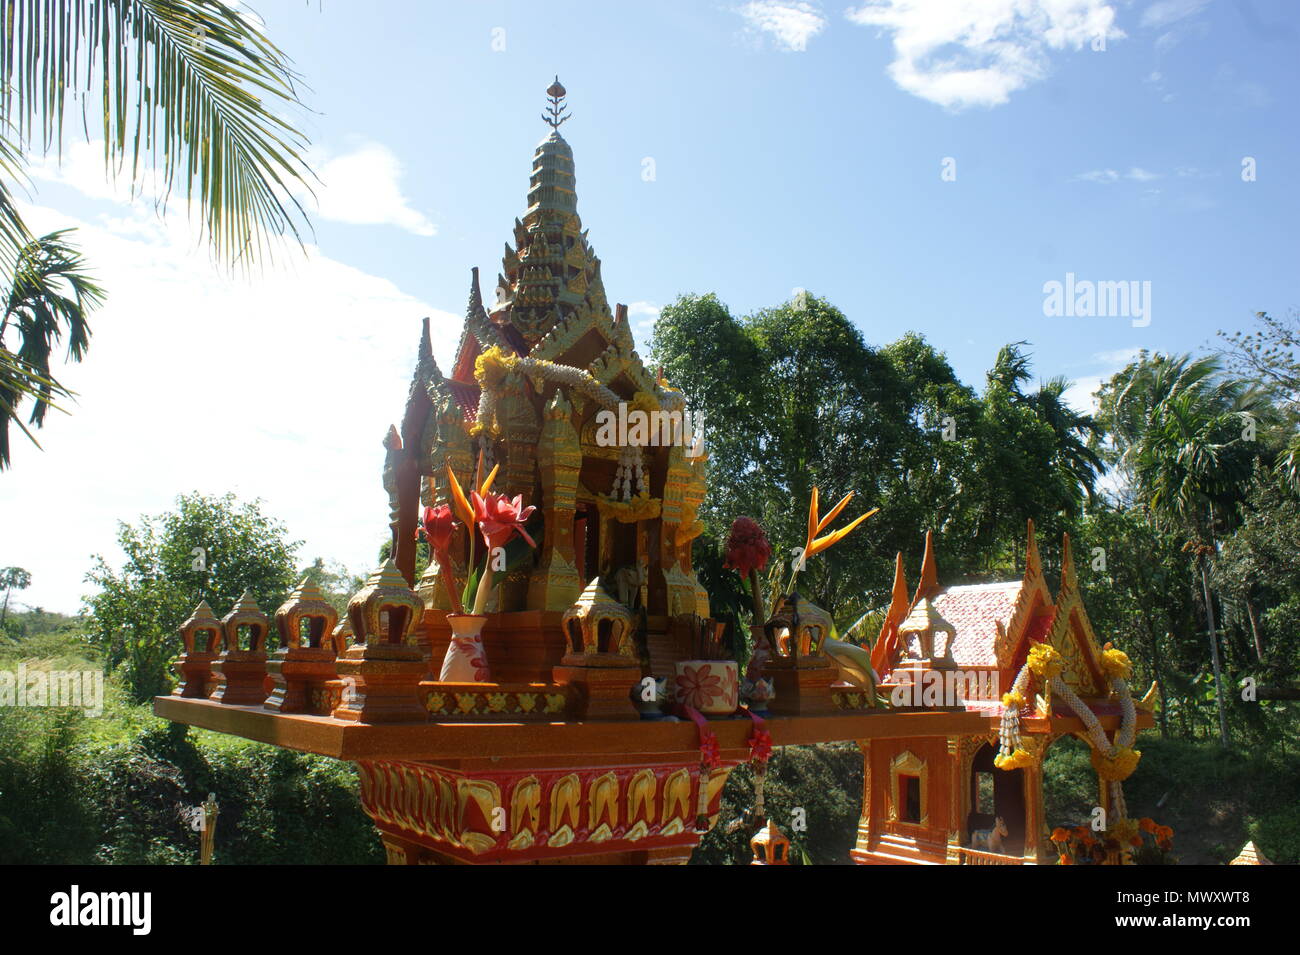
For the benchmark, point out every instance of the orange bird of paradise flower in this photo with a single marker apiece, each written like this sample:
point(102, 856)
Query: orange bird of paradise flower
point(464, 510)
point(815, 545)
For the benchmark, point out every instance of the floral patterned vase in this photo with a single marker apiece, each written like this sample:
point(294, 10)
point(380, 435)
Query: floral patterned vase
point(711, 686)
point(465, 661)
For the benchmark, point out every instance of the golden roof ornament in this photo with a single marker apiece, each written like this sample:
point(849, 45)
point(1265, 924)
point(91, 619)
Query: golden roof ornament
point(306, 604)
point(202, 620)
point(386, 591)
point(925, 622)
point(1250, 855)
point(246, 613)
point(598, 624)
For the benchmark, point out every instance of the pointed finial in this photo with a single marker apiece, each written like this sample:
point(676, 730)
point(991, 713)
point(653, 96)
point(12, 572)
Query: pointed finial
point(426, 343)
point(555, 114)
point(929, 576)
point(246, 601)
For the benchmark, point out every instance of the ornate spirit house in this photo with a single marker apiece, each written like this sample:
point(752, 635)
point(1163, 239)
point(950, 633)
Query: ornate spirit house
point(528, 728)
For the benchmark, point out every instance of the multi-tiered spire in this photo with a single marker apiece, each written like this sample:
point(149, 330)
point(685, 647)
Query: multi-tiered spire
point(551, 272)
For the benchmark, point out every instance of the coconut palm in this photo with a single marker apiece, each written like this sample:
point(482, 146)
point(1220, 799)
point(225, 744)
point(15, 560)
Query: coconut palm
point(189, 92)
point(50, 296)
point(1185, 436)
point(1075, 457)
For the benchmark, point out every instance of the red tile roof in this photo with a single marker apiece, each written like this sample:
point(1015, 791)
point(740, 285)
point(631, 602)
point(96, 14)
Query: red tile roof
point(974, 611)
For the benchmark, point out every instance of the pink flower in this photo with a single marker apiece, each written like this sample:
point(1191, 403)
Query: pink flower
point(499, 517)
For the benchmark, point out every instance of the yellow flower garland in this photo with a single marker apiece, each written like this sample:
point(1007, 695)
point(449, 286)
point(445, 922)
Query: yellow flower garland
point(492, 366)
point(1044, 662)
point(1019, 759)
point(642, 507)
point(1116, 768)
point(1115, 663)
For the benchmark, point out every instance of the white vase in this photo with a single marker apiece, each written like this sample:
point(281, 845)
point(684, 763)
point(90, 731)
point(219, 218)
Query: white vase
point(465, 660)
point(711, 686)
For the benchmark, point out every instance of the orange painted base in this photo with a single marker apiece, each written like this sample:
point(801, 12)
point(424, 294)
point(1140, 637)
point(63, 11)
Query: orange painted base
point(428, 812)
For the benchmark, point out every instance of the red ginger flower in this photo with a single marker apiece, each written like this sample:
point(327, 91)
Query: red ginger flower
point(747, 547)
point(438, 526)
point(499, 517)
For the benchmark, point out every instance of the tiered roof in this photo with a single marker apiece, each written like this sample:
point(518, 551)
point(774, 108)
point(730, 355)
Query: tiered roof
point(995, 624)
point(549, 302)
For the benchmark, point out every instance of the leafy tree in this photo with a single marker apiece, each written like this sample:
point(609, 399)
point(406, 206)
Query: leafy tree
point(208, 548)
point(337, 584)
point(794, 397)
point(1270, 354)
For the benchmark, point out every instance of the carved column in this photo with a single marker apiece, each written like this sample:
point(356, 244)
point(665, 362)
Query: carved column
point(518, 417)
point(554, 584)
point(957, 767)
point(1033, 778)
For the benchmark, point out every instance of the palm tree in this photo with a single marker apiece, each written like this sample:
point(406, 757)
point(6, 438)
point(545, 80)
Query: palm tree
point(1185, 437)
point(50, 294)
point(11, 579)
point(189, 90)
point(1075, 457)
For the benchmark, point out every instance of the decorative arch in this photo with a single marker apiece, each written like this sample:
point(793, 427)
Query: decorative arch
point(908, 763)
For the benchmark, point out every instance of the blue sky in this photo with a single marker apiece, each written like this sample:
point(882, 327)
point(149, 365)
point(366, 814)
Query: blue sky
point(791, 145)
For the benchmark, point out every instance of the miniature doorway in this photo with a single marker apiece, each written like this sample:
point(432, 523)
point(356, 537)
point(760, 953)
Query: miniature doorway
point(997, 792)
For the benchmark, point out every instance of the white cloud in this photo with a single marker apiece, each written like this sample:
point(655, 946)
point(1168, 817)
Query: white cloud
point(963, 53)
point(280, 386)
point(1164, 12)
point(642, 316)
point(1107, 176)
point(791, 23)
point(360, 187)
point(363, 187)
point(1081, 394)
point(1099, 175)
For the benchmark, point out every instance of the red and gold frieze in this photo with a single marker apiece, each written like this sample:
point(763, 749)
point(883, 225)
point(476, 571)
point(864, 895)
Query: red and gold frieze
point(434, 813)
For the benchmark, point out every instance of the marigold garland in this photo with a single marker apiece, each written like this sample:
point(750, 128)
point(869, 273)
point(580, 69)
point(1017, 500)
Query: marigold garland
point(1117, 767)
point(1018, 759)
point(1115, 663)
point(492, 366)
point(642, 507)
point(1044, 662)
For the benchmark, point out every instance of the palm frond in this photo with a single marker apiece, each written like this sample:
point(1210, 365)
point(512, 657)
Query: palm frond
point(191, 89)
point(50, 298)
